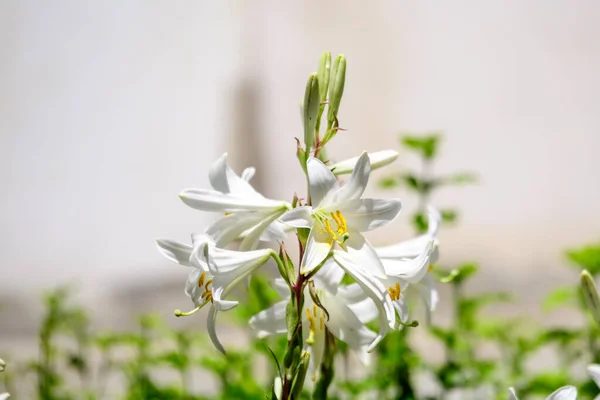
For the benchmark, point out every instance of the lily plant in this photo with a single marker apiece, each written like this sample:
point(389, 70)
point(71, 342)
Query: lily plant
point(340, 283)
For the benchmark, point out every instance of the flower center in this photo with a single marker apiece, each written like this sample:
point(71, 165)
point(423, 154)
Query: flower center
point(394, 292)
point(207, 294)
point(338, 232)
point(316, 319)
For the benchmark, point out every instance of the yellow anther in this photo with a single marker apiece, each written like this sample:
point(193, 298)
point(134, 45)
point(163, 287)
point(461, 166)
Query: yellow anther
point(227, 214)
point(342, 223)
point(201, 279)
point(395, 292)
point(322, 324)
point(315, 310)
point(329, 230)
point(430, 267)
point(208, 282)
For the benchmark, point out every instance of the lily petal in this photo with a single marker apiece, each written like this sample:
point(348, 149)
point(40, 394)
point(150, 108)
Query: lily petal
point(511, 394)
point(594, 373)
point(345, 324)
point(316, 349)
point(211, 323)
point(357, 183)
point(367, 214)
point(4, 396)
point(359, 249)
point(564, 393)
point(322, 181)
point(251, 240)
point(412, 270)
point(318, 246)
point(299, 217)
point(212, 200)
point(270, 321)
point(229, 267)
point(429, 294)
point(372, 288)
point(177, 252)
point(378, 160)
point(229, 228)
point(329, 276)
point(365, 310)
point(223, 179)
point(248, 173)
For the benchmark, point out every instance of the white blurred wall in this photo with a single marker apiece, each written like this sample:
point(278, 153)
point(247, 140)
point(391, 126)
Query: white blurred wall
point(107, 111)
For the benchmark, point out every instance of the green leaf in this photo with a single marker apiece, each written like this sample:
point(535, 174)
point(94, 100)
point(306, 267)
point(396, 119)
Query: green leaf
point(560, 297)
point(389, 182)
point(425, 145)
point(449, 216)
point(461, 178)
point(460, 274)
point(587, 257)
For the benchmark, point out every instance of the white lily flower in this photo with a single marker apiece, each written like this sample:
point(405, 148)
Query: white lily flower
point(214, 273)
point(408, 263)
point(343, 322)
point(594, 373)
point(338, 215)
point(248, 214)
point(378, 159)
point(564, 393)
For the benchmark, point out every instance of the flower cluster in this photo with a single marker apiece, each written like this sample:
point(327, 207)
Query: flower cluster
point(341, 282)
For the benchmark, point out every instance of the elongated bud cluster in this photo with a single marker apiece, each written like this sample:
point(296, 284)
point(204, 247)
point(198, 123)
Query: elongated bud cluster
point(300, 374)
point(323, 74)
point(590, 292)
point(311, 110)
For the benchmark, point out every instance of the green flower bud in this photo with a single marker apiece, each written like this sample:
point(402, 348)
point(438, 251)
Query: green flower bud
point(336, 87)
point(323, 74)
point(591, 295)
point(310, 110)
point(300, 375)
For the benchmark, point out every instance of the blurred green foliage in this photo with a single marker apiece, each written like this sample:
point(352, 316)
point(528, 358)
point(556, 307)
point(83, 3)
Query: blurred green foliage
point(75, 363)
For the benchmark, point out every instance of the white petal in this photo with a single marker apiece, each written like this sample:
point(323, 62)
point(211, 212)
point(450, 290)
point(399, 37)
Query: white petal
point(211, 327)
point(410, 270)
point(323, 184)
point(434, 220)
point(365, 310)
point(367, 214)
point(276, 231)
point(564, 393)
point(250, 242)
point(401, 308)
point(229, 267)
point(223, 179)
point(406, 249)
point(192, 289)
point(4, 396)
point(282, 289)
point(357, 183)
point(512, 395)
point(174, 251)
point(299, 217)
point(352, 293)
point(429, 294)
point(211, 200)
point(594, 373)
point(316, 350)
point(345, 325)
point(229, 228)
point(318, 246)
point(360, 250)
point(248, 174)
point(270, 321)
point(373, 288)
point(378, 160)
point(329, 276)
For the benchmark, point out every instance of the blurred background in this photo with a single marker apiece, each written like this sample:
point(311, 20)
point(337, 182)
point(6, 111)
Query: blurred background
point(108, 110)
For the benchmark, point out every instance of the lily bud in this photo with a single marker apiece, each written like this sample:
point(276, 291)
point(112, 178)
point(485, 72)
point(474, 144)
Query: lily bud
point(591, 295)
point(336, 87)
point(310, 110)
point(300, 375)
point(378, 159)
point(323, 74)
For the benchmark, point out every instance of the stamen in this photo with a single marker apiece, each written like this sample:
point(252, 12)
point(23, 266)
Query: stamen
point(201, 279)
point(179, 313)
point(207, 283)
point(430, 267)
